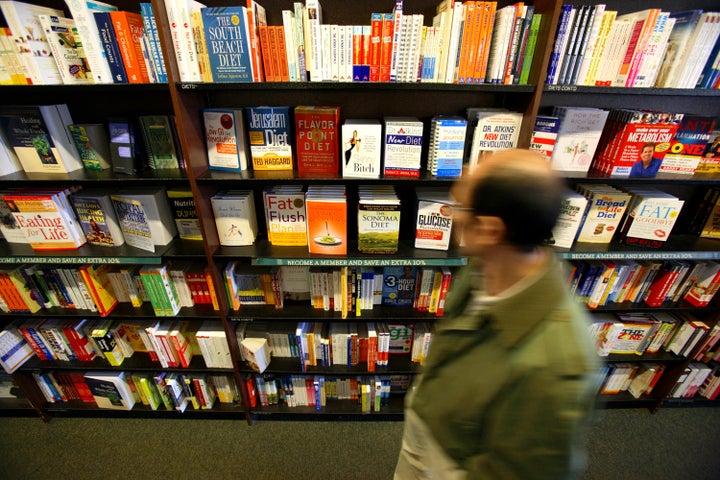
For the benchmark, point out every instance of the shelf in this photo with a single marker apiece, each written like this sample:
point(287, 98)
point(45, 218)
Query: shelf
point(139, 362)
point(262, 253)
point(305, 312)
point(11, 91)
point(664, 178)
point(15, 253)
point(122, 310)
point(398, 364)
point(625, 400)
point(264, 87)
point(658, 92)
point(640, 307)
point(77, 408)
point(677, 247)
point(333, 410)
point(291, 177)
point(661, 356)
point(85, 177)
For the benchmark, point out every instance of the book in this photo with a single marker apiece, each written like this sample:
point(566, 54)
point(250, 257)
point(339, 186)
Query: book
point(688, 145)
point(184, 211)
point(399, 285)
point(144, 216)
point(317, 137)
point(159, 134)
point(446, 145)
point(9, 227)
point(110, 46)
point(110, 390)
point(129, 31)
point(434, 220)
point(82, 13)
point(98, 284)
point(544, 135)
point(493, 131)
point(39, 136)
point(225, 136)
point(577, 138)
point(124, 156)
point(269, 132)
point(326, 210)
point(93, 145)
point(378, 220)
point(703, 284)
point(361, 148)
point(151, 31)
point(14, 349)
point(31, 43)
point(606, 206)
point(569, 220)
point(285, 215)
point(650, 217)
point(402, 146)
point(95, 211)
point(235, 219)
point(67, 49)
point(710, 161)
point(229, 43)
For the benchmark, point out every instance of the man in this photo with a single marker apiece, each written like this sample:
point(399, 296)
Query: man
point(511, 375)
point(647, 166)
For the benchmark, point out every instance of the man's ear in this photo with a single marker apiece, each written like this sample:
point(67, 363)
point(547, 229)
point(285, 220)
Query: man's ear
point(488, 231)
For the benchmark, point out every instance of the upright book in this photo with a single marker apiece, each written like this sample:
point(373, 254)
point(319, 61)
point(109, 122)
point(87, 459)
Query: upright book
point(67, 49)
point(317, 140)
point(82, 12)
point(228, 43)
point(361, 151)
point(161, 146)
point(269, 131)
point(144, 216)
point(182, 205)
point(577, 138)
point(402, 146)
point(225, 136)
point(235, 217)
point(326, 207)
point(97, 217)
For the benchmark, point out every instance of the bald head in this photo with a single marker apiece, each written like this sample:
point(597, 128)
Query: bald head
point(519, 187)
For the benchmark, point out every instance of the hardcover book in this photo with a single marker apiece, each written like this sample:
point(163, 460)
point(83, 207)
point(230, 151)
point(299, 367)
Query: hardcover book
point(577, 138)
point(182, 206)
point(145, 217)
point(378, 220)
point(269, 136)
point(688, 145)
point(285, 215)
point(317, 140)
point(97, 217)
point(93, 145)
point(40, 138)
point(163, 153)
point(606, 207)
point(402, 146)
point(361, 148)
point(650, 218)
point(493, 131)
point(225, 134)
point(399, 286)
point(228, 43)
point(110, 390)
point(67, 49)
point(235, 217)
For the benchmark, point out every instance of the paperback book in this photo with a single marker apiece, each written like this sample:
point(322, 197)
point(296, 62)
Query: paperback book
point(605, 210)
point(124, 156)
point(270, 136)
point(235, 217)
point(326, 207)
point(378, 219)
point(399, 285)
point(96, 214)
point(447, 145)
point(688, 145)
point(228, 44)
point(182, 206)
point(145, 217)
point(402, 146)
point(67, 49)
point(317, 137)
point(544, 135)
point(285, 215)
point(493, 131)
point(650, 217)
point(361, 148)
point(225, 133)
point(161, 148)
point(93, 145)
point(433, 225)
point(578, 137)
point(570, 219)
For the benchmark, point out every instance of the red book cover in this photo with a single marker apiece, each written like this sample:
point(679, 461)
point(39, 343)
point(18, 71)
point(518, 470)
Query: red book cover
point(129, 30)
point(267, 60)
point(661, 284)
point(388, 26)
point(317, 137)
point(376, 25)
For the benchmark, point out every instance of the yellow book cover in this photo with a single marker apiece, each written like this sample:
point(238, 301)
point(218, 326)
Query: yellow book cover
point(98, 283)
point(327, 224)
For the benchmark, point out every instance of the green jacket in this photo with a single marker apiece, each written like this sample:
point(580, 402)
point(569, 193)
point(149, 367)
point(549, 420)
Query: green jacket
point(507, 392)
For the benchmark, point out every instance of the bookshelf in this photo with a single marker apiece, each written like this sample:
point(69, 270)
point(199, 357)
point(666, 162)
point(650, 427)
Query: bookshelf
point(357, 100)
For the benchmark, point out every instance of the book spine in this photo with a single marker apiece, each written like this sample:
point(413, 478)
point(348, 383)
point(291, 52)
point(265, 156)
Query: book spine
point(109, 44)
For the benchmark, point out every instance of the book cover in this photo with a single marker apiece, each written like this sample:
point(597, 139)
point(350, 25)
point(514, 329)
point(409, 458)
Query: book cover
point(710, 161)
point(606, 207)
point(235, 217)
point(378, 220)
point(182, 206)
point(97, 217)
point(39, 136)
point(570, 219)
point(269, 132)
point(544, 135)
point(228, 43)
point(688, 145)
point(494, 131)
point(225, 136)
point(447, 145)
point(142, 211)
point(399, 286)
point(326, 210)
point(650, 218)
point(31, 43)
point(160, 146)
point(361, 141)
point(67, 49)
point(434, 220)
point(402, 146)
point(93, 145)
point(151, 31)
point(98, 284)
point(133, 222)
point(112, 58)
point(317, 140)
point(578, 137)
point(123, 147)
point(82, 12)
point(110, 390)
point(129, 31)
point(285, 215)
point(9, 227)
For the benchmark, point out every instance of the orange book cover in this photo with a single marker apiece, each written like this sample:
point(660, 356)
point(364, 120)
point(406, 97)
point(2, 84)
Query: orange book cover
point(327, 225)
point(468, 42)
point(45, 224)
point(267, 63)
point(282, 59)
point(98, 283)
point(485, 41)
point(129, 30)
point(10, 295)
point(274, 52)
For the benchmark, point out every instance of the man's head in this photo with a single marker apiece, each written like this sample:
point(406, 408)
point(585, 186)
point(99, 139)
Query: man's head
point(512, 197)
point(646, 153)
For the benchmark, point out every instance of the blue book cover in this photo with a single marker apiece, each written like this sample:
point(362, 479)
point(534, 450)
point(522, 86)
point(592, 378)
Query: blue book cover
point(110, 46)
point(151, 31)
point(399, 286)
point(448, 146)
point(227, 43)
point(562, 31)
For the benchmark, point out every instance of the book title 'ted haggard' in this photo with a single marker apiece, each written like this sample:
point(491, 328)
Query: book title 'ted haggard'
point(226, 41)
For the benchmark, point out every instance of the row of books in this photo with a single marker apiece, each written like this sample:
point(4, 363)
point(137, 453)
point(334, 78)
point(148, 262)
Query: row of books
point(597, 46)
point(66, 218)
point(316, 344)
point(96, 43)
point(627, 142)
point(44, 139)
point(468, 42)
point(372, 393)
point(638, 380)
point(171, 343)
point(654, 283)
point(123, 390)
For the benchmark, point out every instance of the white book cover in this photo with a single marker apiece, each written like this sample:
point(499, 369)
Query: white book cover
point(569, 220)
point(494, 131)
point(433, 226)
point(605, 210)
point(66, 47)
point(9, 162)
point(145, 217)
point(361, 148)
point(402, 146)
point(654, 51)
point(227, 147)
point(652, 215)
point(82, 11)
point(110, 390)
point(614, 52)
point(234, 218)
point(578, 137)
point(30, 40)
